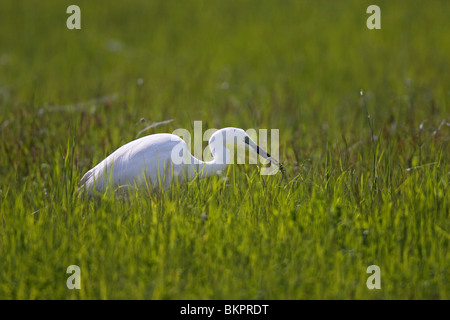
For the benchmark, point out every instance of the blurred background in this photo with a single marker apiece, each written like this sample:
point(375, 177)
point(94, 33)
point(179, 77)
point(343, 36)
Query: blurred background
point(297, 66)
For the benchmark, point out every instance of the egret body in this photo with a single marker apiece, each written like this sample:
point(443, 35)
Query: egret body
point(157, 159)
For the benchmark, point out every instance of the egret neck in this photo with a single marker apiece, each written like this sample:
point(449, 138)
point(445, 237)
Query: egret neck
point(221, 158)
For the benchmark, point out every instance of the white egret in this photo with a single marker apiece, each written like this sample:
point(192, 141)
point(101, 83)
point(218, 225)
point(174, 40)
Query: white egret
point(157, 159)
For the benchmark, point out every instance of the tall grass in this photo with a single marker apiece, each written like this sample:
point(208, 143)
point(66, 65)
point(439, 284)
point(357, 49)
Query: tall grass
point(358, 191)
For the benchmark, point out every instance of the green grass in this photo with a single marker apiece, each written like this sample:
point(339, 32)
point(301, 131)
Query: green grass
point(348, 202)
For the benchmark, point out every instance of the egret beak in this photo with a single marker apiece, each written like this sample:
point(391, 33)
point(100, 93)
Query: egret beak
point(263, 153)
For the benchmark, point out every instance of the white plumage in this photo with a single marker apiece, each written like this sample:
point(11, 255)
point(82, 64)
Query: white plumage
point(157, 159)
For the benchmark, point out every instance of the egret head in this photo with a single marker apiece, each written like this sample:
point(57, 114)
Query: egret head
point(230, 137)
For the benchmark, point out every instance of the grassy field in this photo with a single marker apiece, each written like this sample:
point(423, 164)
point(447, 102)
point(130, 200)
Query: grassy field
point(367, 175)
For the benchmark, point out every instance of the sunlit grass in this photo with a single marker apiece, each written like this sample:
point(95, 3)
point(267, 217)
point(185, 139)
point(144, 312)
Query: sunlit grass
point(358, 191)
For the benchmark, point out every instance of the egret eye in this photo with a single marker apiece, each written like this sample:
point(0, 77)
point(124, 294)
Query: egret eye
point(246, 140)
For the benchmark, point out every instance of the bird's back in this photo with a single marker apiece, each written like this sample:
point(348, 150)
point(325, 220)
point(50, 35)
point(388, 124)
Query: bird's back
point(143, 160)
